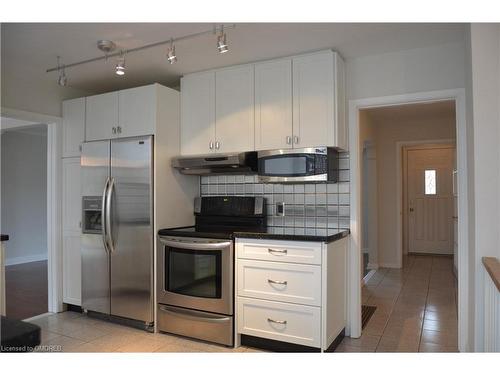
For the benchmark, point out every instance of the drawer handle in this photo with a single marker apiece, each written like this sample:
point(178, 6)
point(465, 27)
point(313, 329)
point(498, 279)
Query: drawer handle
point(277, 251)
point(277, 282)
point(276, 321)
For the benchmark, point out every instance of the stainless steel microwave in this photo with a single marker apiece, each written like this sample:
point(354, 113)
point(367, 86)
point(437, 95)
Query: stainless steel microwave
point(312, 164)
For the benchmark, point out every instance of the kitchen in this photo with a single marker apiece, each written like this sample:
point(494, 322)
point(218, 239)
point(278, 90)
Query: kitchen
point(216, 210)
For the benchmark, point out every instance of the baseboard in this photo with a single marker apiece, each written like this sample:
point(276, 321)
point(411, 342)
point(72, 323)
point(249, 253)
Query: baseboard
point(26, 259)
point(389, 265)
point(372, 266)
point(368, 277)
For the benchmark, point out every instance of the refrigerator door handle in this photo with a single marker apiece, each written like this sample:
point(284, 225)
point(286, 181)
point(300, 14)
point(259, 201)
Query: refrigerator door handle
point(104, 216)
point(109, 198)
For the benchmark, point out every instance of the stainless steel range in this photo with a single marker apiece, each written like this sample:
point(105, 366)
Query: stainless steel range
point(196, 268)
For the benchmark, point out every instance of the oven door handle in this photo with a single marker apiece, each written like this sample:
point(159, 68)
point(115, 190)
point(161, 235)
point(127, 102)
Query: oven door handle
point(195, 245)
point(194, 315)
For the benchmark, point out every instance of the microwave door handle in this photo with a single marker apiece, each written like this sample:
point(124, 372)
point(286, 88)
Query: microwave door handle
point(195, 245)
point(103, 217)
point(109, 202)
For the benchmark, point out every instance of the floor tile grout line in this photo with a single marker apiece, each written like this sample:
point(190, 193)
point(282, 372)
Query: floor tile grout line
point(425, 307)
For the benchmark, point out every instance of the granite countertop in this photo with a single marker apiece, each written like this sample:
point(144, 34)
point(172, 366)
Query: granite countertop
point(4, 237)
point(273, 233)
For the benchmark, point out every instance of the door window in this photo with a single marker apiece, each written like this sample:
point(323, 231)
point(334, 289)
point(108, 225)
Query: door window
point(430, 182)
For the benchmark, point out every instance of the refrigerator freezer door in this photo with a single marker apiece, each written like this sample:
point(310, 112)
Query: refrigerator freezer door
point(95, 259)
point(132, 228)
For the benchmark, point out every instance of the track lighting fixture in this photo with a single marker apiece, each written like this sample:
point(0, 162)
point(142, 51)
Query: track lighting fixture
point(110, 51)
point(62, 80)
point(221, 41)
point(171, 56)
point(120, 65)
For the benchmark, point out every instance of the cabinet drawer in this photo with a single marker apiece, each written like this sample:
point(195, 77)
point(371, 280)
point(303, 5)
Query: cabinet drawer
point(285, 282)
point(296, 324)
point(280, 251)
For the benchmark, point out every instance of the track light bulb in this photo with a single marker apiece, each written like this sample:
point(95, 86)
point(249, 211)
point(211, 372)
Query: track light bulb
point(171, 56)
point(222, 42)
point(62, 80)
point(120, 66)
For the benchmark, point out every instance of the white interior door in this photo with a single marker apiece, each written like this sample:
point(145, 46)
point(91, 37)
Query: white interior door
point(430, 200)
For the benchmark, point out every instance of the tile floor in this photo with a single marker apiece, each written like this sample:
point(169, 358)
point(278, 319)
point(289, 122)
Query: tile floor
point(74, 332)
point(416, 309)
point(416, 312)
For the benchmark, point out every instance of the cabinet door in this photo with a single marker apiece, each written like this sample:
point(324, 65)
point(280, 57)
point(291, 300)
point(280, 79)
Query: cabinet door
point(234, 109)
point(73, 126)
point(137, 111)
point(72, 199)
point(273, 105)
point(313, 100)
point(101, 116)
point(198, 113)
point(72, 273)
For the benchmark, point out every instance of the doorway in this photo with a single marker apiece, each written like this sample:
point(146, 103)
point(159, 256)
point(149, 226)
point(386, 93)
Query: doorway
point(356, 109)
point(24, 218)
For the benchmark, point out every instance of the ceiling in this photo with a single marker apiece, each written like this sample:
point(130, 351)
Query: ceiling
point(415, 111)
point(32, 48)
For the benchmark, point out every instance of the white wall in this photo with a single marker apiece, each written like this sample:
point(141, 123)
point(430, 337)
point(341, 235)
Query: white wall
point(24, 193)
point(417, 70)
point(32, 92)
point(485, 63)
point(387, 133)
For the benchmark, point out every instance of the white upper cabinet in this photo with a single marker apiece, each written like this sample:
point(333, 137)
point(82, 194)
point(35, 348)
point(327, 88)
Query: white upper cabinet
point(273, 105)
point(137, 111)
point(124, 113)
point(198, 113)
point(73, 126)
point(102, 116)
point(290, 102)
point(234, 109)
point(318, 105)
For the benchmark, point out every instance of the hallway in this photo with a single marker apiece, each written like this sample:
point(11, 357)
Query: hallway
point(416, 308)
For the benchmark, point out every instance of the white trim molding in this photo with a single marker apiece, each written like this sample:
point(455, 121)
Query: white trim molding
point(354, 284)
point(54, 227)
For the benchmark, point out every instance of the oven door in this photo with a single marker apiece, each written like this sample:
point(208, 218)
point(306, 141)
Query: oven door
point(196, 273)
point(298, 165)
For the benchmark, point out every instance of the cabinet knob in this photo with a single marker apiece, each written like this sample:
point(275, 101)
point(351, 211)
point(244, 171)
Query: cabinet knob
point(119, 129)
point(288, 140)
point(295, 139)
point(211, 145)
point(217, 145)
point(113, 130)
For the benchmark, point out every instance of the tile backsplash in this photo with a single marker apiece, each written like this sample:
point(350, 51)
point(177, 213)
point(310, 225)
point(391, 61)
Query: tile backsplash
point(310, 208)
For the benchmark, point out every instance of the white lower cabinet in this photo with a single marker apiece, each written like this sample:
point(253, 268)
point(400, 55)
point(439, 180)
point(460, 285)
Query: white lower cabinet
point(71, 225)
point(72, 273)
point(291, 291)
point(296, 283)
point(297, 324)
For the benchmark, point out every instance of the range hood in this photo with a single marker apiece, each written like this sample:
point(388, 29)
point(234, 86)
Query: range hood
point(213, 164)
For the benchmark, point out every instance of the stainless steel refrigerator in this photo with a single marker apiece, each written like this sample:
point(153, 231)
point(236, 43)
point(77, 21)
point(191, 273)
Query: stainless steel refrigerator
point(117, 228)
